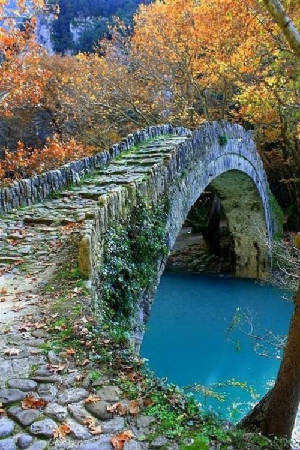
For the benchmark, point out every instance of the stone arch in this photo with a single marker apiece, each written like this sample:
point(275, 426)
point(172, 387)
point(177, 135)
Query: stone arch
point(244, 212)
point(236, 174)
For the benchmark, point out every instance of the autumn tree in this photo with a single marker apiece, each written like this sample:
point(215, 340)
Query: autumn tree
point(30, 81)
point(224, 60)
point(21, 78)
point(186, 62)
point(275, 414)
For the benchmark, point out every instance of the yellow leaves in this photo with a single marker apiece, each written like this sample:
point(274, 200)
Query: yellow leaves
point(61, 431)
point(118, 441)
point(271, 81)
point(92, 399)
point(94, 429)
point(187, 61)
point(30, 402)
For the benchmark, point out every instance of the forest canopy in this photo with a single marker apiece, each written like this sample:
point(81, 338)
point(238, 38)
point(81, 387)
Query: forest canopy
point(184, 62)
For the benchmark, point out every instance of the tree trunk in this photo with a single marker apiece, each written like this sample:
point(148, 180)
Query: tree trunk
point(286, 25)
point(275, 414)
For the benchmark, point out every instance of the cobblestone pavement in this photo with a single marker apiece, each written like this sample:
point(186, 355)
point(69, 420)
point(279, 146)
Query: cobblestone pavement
point(31, 239)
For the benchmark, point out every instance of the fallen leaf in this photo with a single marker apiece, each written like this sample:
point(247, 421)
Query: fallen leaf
point(92, 426)
point(89, 421)
point(18, 308)
point(118, 408)
point(119, 440)
point(12, 351)
point(134, 407)
point(25, 327)
point(70, 351)
point(61, 327)
point(92, 399)
point(33, 403)
point(3, 291)
point(148, 402)
point(95, 430)
point(39, 325)
point(85, 362)
point(2, 411)
point(2, 299)
point(61, 431)
point(134, 377)
point(56, 367)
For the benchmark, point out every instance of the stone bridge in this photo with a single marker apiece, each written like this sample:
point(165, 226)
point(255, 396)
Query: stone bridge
point(161, 168)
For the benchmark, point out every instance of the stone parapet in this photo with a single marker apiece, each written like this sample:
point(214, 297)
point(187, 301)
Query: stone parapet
point(27, 191)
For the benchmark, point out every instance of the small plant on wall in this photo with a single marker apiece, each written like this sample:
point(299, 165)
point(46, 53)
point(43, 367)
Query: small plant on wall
point(223, 140)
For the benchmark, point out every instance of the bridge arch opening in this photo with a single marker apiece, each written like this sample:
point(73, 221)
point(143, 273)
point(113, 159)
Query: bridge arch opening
point(230, 215)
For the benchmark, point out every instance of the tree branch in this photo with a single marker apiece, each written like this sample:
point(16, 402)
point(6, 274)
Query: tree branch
point(285, 23)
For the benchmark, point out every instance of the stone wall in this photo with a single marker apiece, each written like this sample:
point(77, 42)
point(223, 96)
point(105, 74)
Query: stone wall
point(28, 191)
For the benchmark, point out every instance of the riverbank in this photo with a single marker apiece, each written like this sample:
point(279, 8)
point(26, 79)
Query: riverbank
point(65, 383)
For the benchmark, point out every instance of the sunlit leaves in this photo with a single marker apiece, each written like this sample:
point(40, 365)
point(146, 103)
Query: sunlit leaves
point(187, 62)
point(26, 162)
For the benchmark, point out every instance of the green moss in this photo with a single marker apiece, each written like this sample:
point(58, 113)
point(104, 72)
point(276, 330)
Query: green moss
point(173, 410)
point(95, 375)
point(131, 254)
point(277, 216)
point(223, 140)
point(200, 443)
point(135, 148)
point(70, 274)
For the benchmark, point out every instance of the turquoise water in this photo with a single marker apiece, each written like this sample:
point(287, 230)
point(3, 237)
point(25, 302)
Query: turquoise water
point(198, 332)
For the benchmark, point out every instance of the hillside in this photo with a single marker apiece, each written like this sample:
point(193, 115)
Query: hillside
point(81, 23)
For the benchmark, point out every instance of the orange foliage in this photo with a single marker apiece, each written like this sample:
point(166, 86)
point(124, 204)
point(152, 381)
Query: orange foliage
point(187, 62)
point(27, 162)
point(22, 79)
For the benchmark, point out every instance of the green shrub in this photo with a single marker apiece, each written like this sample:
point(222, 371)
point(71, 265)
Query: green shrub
point(131, 254)
point(223, 140)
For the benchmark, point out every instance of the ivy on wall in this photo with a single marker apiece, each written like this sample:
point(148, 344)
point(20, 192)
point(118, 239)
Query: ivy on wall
point(131, 254)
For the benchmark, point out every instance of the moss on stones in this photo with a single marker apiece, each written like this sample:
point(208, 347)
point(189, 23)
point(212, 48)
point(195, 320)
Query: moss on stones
point(277, 216)
point(131, 253)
